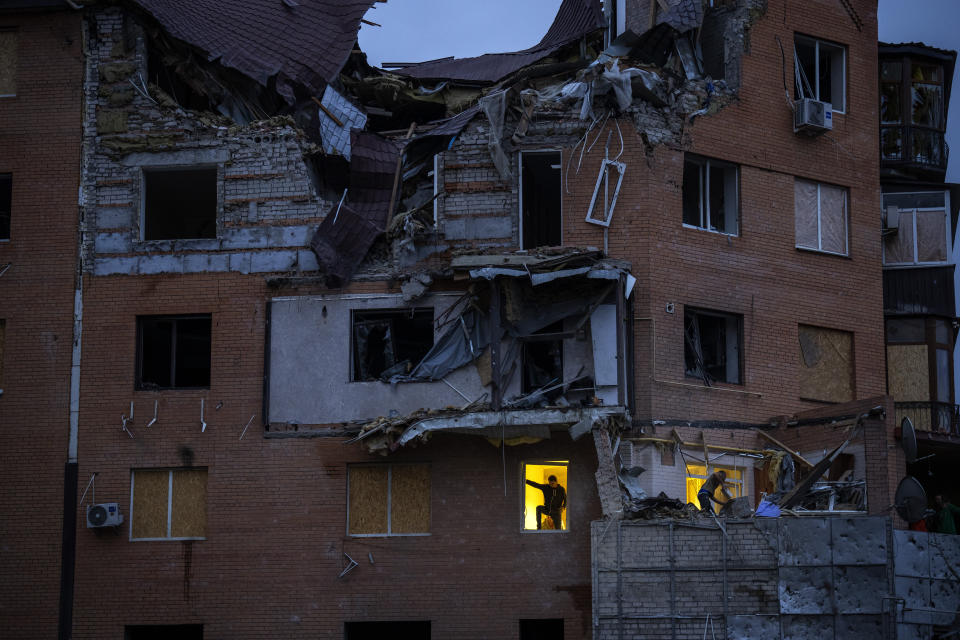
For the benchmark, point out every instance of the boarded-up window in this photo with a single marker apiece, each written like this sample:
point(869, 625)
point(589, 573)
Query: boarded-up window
point(826, 364)
point(168, 504)
point(8, 63)
point(921, 237)
point(389, 499)
point(821, 217)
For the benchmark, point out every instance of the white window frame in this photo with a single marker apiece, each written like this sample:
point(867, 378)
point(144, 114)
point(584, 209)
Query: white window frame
point(916, 248)
point(815, 82)
point(389, 505)
point(846, 220)
point(170, 472)
point(705, 165)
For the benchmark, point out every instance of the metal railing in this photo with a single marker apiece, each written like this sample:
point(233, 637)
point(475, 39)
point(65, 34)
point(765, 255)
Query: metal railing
point(933, 417)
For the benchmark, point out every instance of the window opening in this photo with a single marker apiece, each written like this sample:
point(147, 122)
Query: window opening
point(543, 359)
point(545, 500)
point(163, 632)
point(826, 364)
point(712, 346)
point(180, 204)
point(697, 475)
point(541, 629)
point(710, 195)
point(168, 504)
point(376, 630)
point(8, 63)
point(6, 204)
point(820, 71)
point(540, 199)
point(820, 217)
point(173, 352)
point(921, 229)
point(391, 342)
point(388, 500)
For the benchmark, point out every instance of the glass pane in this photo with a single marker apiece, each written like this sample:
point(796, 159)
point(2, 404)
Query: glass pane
point(833, 219)
point(891, 71)
point(806, 54)
point(805, 207)
point(891, 143)
point(943, 375)
point(905, 330)
point(927, 200)
point(931, 236)
point(928, 105)
point(691, 193)
point(889, 103)
point(925, 73)
point(942, 331)
point(927, 147)
point(898, 247)
point(717, 201)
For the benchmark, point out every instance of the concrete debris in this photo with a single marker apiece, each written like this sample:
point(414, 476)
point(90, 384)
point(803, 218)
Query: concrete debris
point(416, 286)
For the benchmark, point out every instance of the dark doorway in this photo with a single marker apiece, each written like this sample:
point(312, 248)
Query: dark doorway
point(541, 629)
point(163, 632)
point(406, 630)
point(540, 199)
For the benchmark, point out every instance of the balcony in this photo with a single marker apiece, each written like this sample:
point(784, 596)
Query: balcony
point(912, 150)
point(930, 417)
point(926, 291)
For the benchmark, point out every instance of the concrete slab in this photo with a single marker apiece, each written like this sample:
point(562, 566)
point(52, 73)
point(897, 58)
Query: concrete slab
point(916, 595)
point(806, 627)
point(859, 541)
point(806, 590)
point(911, 553)
point(860, 589)
point(752, 627)
point(804, 542)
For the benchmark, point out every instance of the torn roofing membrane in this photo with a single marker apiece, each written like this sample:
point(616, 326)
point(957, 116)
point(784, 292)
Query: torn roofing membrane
point(305, 44)
point(575, 19)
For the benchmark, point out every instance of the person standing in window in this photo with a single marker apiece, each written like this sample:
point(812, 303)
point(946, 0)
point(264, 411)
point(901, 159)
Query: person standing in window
point(705, 495)
point(554, 502)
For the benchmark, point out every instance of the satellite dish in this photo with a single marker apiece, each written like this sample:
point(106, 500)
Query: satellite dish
point(908, 440)
point(910, 500)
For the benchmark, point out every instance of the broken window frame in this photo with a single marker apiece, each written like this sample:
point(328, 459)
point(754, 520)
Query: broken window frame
point(363, 316)
point(938, 338)
point(524, 487)
point(389, 500)
point(705, 169)
point(520, 195)
point(845, 222)
point(603, 178)
point(912, 213)
point(14, 44)
point(815, 83)
point(693, 346)
point(146, 171)
point(6, 205)
point(553, 336)
point(143, 322)
point(696, 475)
point(170, 499)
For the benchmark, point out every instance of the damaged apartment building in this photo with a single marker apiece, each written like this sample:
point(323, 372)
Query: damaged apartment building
point(335, 328)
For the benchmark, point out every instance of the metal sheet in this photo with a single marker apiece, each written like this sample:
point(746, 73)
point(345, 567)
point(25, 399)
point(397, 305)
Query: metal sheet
point(806, 590)
point(860, 589)
point(911, 550)
point(804, 542)
point(859, 541)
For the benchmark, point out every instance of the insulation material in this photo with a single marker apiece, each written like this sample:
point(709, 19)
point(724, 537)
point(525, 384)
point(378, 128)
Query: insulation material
point(368, 500)
point(494, 107)
point(8, 63)
point(833, 219)
point(931, 236)
point(188, 516)
point(410, 498)
point(898, 248)
point(908, 373)
point(149, 511)
point(805, 205)
point(826, 364)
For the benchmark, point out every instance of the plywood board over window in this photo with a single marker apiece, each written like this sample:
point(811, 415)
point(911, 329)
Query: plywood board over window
point(826, 364)
point(388, 499)
point(8, 63)
point(908, 372)
point(168, 504)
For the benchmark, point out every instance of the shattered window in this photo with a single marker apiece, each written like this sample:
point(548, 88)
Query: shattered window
point(173, 352)
point(712, 345)
point(710, 199)
point(921, 232)
point(179, 204)
point(388, 499)
point(540, 193)
point(826, 364)
point(391, 342)
point(8, 63)
point(820, 71)
point(168, 504)
point(6, 204)
point(821, 217)
point(543, 359)
point(697, 475)
point(545, 496)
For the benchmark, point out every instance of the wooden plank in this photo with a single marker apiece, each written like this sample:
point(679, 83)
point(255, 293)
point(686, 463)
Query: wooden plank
point(149, 517)
point(794, 496)
point(793, 454)
point(368, 499)
point(410, 498)
point(188, 516)
point(396, 175)
point(327, 111)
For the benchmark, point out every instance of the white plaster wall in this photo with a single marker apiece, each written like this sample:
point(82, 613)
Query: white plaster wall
point(671, 480)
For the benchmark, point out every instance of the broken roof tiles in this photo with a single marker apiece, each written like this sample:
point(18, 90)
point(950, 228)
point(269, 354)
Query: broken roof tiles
point(307, 44)
point(683, 15)
point(575, 19)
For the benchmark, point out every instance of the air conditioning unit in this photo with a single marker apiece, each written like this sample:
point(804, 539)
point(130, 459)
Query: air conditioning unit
point(812, 116)
point(106, 514)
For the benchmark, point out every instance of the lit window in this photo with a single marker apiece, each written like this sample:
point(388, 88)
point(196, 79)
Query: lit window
point(826, 364)
point(697, 475)
point(545, 496)
point(390, 342)
point(173, 352)
point(388, 500)
point(821, 72)
point(540, 195)
point(710, 195)
point(179, 203)
point(712, 345)
point(917, 229)
point(8, 63)
point(168, 504)
point(820, 217)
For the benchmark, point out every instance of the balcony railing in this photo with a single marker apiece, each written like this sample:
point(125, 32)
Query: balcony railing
point(913, 146)
point(931, 417)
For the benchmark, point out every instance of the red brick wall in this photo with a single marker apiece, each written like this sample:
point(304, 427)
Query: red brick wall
point(40, 146)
